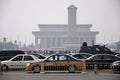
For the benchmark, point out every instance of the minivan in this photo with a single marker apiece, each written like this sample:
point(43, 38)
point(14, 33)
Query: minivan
point(7, 54)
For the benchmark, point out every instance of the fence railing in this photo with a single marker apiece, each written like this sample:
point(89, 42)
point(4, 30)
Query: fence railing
point(115, 69)
point(50, 67)
point(0, 69)
point(98, 65)
point(93, 66)
point(86, 66)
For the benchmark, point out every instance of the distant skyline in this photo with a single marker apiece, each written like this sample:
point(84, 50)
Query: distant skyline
point(18, 18)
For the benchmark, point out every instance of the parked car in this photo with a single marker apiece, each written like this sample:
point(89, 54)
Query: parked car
point(18, 62)
point(57, 62)
point(115, 67)
point(7, 54)
point(81, 55)
point(100, 61)
point(102, 58)
point(96, 49)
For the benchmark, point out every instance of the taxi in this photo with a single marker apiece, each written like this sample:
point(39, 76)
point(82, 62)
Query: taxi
point(56, 62)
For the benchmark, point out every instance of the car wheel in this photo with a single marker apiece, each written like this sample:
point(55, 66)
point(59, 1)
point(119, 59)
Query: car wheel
point(36, 69)
point(4, 68)
point(71, 69)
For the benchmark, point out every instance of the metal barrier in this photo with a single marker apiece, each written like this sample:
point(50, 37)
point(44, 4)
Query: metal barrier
point(98, 65)
point(115, 69)
point(86, 66)
point(60, 68)
point(0, 69)
point(42, 67)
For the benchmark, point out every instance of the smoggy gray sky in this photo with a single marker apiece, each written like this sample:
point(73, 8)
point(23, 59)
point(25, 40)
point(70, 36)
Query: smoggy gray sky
point(18, 18)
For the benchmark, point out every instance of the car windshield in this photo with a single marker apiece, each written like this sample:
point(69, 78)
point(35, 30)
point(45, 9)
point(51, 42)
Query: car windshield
point(28, 58)
point(106, 49)
point(81, 56)
point(97, 49)
point(39, 56)
point(18, 58)
point(97, 57)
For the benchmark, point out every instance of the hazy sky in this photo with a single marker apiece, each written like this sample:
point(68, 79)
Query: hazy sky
point(18, 18)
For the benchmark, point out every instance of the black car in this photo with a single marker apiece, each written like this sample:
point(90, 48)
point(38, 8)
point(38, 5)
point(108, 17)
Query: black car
point(37, 54)
point(102, 58)
point(101, 61)
point(7, 54)
point(96, 49)
point(115, 67)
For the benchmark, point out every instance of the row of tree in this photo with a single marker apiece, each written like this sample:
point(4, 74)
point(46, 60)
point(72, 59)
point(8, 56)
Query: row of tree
point(4, 45)
point(14, 46)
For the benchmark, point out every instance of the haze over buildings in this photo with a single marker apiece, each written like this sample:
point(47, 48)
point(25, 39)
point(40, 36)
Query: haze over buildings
point(65, 36)
point(18, 18)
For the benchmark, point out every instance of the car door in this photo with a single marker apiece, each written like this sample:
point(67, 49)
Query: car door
point(26, 59)
point(109, 58)
point(16, 62)
point(96, 58)
point(50, 62)
point(56, 62)
point(62, 63)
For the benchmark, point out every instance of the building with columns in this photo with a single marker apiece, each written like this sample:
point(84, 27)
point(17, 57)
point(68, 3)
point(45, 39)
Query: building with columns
point(64, 36)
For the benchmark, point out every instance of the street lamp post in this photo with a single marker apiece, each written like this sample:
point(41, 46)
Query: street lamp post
point(4, 41)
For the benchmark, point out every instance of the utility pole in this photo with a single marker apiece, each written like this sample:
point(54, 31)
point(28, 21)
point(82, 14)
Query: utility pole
point(15, 44)
point(4, 41)
point(92, 42)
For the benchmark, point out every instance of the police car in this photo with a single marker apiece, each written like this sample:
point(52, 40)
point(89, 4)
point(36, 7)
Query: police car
point(57, 62)
point(18, 62)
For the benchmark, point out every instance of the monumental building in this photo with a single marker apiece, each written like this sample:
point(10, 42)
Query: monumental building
point(64, 36)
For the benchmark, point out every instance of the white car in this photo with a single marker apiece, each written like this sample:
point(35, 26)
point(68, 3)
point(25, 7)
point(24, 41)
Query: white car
point(115, 67)
point(19, 62)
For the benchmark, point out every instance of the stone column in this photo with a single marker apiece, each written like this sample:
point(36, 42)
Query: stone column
point(72, 15)
point(72, 22)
